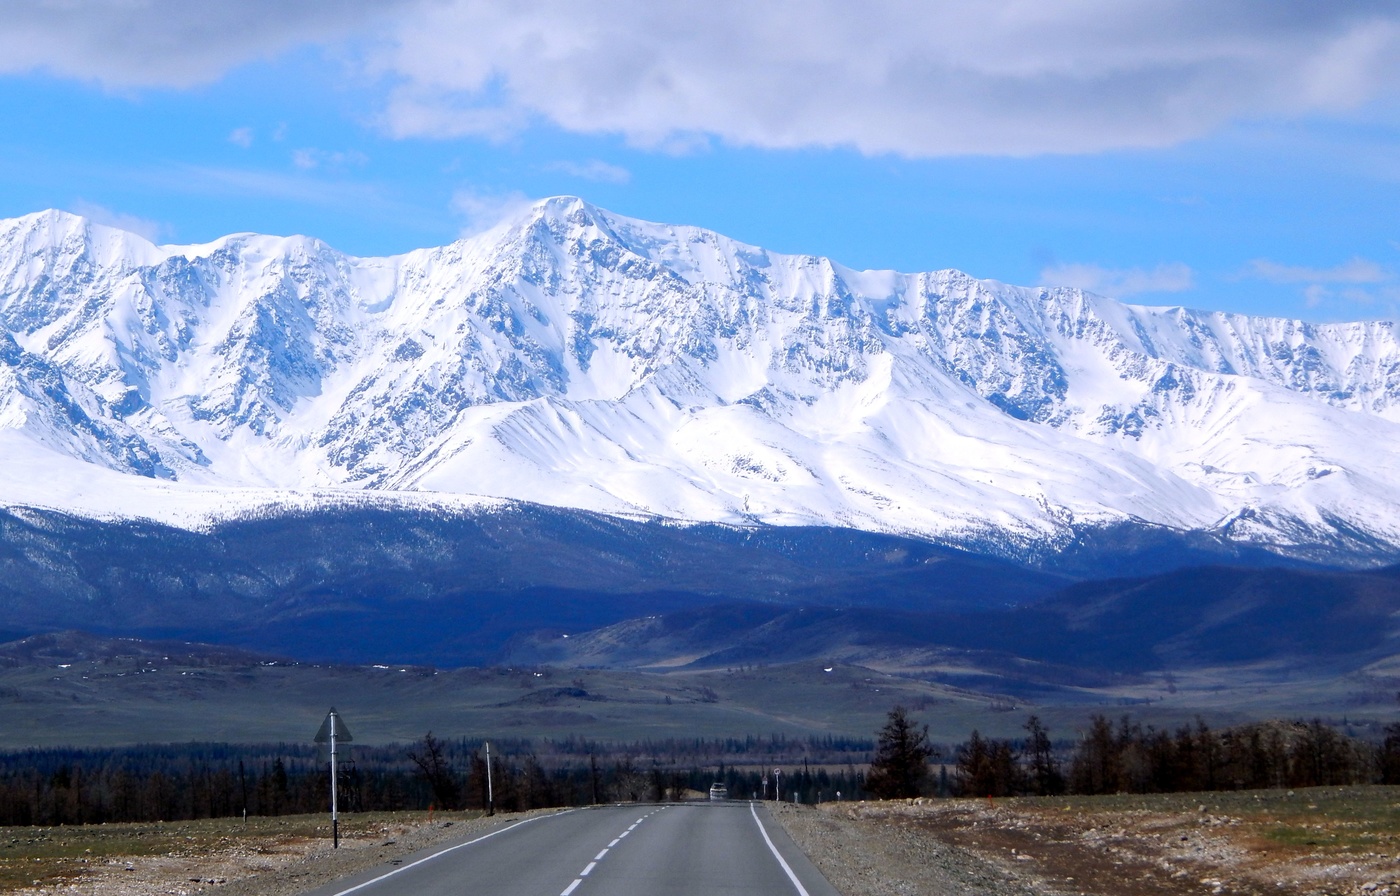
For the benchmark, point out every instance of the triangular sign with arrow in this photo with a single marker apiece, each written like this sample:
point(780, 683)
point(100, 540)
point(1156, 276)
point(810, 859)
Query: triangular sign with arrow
point(342, 732)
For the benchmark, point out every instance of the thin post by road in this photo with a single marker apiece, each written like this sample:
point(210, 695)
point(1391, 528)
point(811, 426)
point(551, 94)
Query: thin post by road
point(490, 793)
point(333, 731)
point(335, 802)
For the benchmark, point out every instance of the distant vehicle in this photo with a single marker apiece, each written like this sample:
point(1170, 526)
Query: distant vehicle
point(719, 792)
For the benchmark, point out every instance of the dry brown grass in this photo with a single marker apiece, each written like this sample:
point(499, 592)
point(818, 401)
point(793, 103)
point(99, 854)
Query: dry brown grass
point(1306, 843)
point(263, 855)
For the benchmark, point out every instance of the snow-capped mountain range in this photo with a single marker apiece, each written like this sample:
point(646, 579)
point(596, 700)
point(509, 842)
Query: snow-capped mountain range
point(578, 358)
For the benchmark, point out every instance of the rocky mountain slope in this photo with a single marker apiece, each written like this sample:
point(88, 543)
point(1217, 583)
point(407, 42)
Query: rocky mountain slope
point(581, 359)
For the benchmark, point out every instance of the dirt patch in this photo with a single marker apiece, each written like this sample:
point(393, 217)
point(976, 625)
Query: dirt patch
point(1314, 842)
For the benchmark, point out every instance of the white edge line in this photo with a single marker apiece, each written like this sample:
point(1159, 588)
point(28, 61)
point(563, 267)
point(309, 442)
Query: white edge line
point(447, 850)
point(781, 861)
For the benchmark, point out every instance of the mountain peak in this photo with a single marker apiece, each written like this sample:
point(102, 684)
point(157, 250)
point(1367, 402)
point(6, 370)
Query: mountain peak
point(585, 359)
point(56, 228)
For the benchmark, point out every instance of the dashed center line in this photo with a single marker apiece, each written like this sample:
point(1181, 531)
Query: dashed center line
point(599, 857)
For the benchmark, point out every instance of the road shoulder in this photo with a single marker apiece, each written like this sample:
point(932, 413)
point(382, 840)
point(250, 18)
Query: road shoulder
point(893, 859)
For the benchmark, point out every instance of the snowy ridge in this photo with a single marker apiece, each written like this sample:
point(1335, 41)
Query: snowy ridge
point(578, 358)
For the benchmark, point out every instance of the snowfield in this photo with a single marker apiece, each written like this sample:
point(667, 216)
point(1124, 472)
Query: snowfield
point(578, 358)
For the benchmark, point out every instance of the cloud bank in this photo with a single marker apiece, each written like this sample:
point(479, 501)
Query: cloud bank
point(1358, 282)
point(151, 231)
point(124, 44)
point(1121, 283)
point(908, 77)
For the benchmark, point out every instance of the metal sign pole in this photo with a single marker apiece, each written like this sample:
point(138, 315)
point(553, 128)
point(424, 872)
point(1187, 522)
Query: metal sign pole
point(335, 806)
point(490, 793)
point(334, 731)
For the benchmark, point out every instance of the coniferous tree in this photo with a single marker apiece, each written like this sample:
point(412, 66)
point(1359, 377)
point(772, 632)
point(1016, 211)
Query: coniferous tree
point(1095, 766)
point(901, 758)
point(1389, 758)
point(1044, 774)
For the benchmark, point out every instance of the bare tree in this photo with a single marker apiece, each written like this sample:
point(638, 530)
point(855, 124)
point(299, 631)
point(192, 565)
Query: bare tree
point(436, 769)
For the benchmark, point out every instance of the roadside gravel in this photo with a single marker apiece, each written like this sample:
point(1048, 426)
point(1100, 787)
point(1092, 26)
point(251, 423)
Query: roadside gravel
point(271, 857)
point(893, 858)
point(321, 864)
point(1321, 841)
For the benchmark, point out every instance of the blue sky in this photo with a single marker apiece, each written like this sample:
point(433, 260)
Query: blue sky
point(1234, 156)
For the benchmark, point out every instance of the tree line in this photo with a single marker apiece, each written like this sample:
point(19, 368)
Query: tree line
point(1129, 757)
point(173, 782)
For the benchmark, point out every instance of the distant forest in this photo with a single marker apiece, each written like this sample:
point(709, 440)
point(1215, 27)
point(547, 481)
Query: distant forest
point(170, 782)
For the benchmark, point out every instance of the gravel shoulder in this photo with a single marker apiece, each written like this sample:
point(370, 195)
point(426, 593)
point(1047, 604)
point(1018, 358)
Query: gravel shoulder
point(876, 849)
point(1337, 841)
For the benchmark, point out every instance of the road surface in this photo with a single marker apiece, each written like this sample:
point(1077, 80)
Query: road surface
point(676, 849)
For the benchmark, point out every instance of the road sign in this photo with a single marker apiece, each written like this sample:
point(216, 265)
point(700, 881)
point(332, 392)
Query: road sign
point(342, 733)
point(333, 731)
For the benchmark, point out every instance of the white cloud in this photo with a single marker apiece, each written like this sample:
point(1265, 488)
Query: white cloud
point(1356, 270)
point(1383, 300)
point(482, 210)
point(152, 231)
point(1357, 283)
point(207, 180)
point(241, 137)
point(309, 158)
point(172, 43)
point(886, 76)
point(1121, 282)
point(594, 170)
point(914, 78)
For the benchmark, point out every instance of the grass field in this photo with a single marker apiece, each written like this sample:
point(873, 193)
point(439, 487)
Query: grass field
point(117, 700)
point(121, 700)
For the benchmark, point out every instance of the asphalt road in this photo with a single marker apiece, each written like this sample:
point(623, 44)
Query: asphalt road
point(677, 849)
